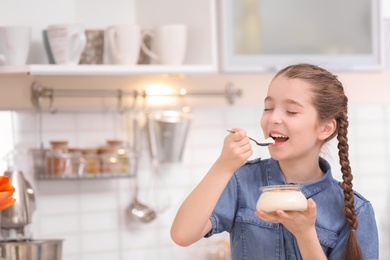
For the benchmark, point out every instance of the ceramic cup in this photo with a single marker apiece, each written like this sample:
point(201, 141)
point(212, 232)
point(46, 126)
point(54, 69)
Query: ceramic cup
point(123, 44)
point(93, 52)
point(67, 42)
point(169, 42)
point(47, 47)
point(14, 45)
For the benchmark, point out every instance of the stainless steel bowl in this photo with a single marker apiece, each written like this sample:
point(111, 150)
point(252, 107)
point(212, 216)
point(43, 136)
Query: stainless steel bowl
point(35, 249)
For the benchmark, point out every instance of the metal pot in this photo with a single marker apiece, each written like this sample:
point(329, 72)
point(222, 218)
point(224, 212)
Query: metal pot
point(50, 249)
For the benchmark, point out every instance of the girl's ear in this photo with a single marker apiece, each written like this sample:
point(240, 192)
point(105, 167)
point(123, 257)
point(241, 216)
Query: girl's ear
point(327, 129)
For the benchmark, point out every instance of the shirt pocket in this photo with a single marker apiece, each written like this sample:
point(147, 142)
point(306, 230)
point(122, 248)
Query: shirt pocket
point(328, 238)
point(247, 215)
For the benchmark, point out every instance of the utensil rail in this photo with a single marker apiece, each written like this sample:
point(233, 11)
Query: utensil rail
point(39, 92)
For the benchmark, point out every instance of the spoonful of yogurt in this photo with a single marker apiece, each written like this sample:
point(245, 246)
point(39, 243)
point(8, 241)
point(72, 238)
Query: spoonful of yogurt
point(265, 142)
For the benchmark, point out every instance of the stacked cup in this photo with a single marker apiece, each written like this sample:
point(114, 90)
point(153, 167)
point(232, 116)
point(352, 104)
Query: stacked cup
point(14, 45)
point(67, 42)
point(125, 44)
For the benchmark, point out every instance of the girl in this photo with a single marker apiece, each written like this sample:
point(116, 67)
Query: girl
point(305, 107)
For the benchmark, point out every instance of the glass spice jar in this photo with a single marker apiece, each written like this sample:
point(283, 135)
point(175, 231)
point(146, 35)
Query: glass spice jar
point(58, 160)
point(92, 161)
point(109, 160)
point(121, 153)
point(77, 161)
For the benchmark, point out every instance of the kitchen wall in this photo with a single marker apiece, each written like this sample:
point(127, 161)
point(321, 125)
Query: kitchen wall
point(90, 214)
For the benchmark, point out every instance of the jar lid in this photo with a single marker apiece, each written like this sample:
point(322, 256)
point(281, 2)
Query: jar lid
point(105, 149)
point(281, 188)
point(89, 151)
point(59, 143)
point(74, 150)
point(114, 142)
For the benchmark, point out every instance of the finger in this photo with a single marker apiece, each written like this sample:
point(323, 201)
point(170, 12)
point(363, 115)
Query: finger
point(237, 134)
point(281, 213)
point(266, 216)
point(311, 207)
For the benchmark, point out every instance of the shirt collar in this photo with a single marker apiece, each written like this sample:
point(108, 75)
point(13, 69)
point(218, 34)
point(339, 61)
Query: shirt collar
point(275, 177)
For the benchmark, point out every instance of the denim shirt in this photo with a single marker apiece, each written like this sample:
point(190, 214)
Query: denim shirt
point(253, 238)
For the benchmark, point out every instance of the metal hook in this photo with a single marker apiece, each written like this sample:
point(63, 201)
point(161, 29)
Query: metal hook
point(231, 92)
point(51, 101)
point(120, 101)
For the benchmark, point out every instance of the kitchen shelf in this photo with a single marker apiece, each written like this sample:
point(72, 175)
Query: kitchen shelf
point(104, 70)
point(39, 157)
point(96, 176)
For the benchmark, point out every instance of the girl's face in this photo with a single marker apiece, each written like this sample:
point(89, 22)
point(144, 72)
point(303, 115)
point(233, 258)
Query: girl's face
point(291, 119)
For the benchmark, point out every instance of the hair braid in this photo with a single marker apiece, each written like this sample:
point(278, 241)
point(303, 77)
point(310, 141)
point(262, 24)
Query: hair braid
point(353, 251)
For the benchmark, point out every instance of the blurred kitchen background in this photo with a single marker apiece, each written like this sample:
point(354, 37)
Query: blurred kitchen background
point(225, 88)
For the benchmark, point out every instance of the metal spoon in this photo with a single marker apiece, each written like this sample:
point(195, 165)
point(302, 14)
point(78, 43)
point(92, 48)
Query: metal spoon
point(265, 142)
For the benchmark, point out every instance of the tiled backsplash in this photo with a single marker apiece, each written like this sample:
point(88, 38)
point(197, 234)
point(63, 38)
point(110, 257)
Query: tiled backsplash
point(90, 214)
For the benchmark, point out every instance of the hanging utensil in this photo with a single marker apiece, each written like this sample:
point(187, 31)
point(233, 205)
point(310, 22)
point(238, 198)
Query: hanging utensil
point(137, 210)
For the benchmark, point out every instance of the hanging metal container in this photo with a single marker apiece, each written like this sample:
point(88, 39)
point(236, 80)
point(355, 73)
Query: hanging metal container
point(167, 134)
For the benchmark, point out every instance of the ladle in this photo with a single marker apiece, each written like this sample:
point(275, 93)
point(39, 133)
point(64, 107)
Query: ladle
point(265, 142)
point(136, 209)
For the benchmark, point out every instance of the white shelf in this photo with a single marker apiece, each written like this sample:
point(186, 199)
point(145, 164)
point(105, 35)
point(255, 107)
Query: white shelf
point(105, 70)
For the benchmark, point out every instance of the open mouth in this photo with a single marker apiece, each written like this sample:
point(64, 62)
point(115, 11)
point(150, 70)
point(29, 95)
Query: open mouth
point(279, 138)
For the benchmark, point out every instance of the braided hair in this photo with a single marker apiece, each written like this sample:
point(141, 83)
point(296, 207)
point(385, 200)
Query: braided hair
point(331, 103)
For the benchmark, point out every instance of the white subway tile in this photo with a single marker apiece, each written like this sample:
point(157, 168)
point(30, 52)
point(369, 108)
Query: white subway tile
point(206, 136)
point(92, 202)
point(25, 122)
point(208, 116)
point(370, 112)
point(97, 121)
point(72, 257)
point(96, 242)
point(58, 204)
point(59, 123)
point(113, 254)
point(59, 224)
point(71, 244)
point(57, 187)
point(99, 221)
point(140, 237)
point(243, 115)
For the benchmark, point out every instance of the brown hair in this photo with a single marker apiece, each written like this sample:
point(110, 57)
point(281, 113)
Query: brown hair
point(331, 102)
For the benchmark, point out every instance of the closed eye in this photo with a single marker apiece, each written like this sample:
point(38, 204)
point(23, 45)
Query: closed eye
point(292, 113)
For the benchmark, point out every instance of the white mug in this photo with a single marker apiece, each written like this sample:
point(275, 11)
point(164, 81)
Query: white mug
point(67, 42)
point(170, 43)
point(14, 45)
point(123, 44)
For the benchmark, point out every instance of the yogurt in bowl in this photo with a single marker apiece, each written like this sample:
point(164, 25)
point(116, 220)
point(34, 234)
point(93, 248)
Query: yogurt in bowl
point(287, 197)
